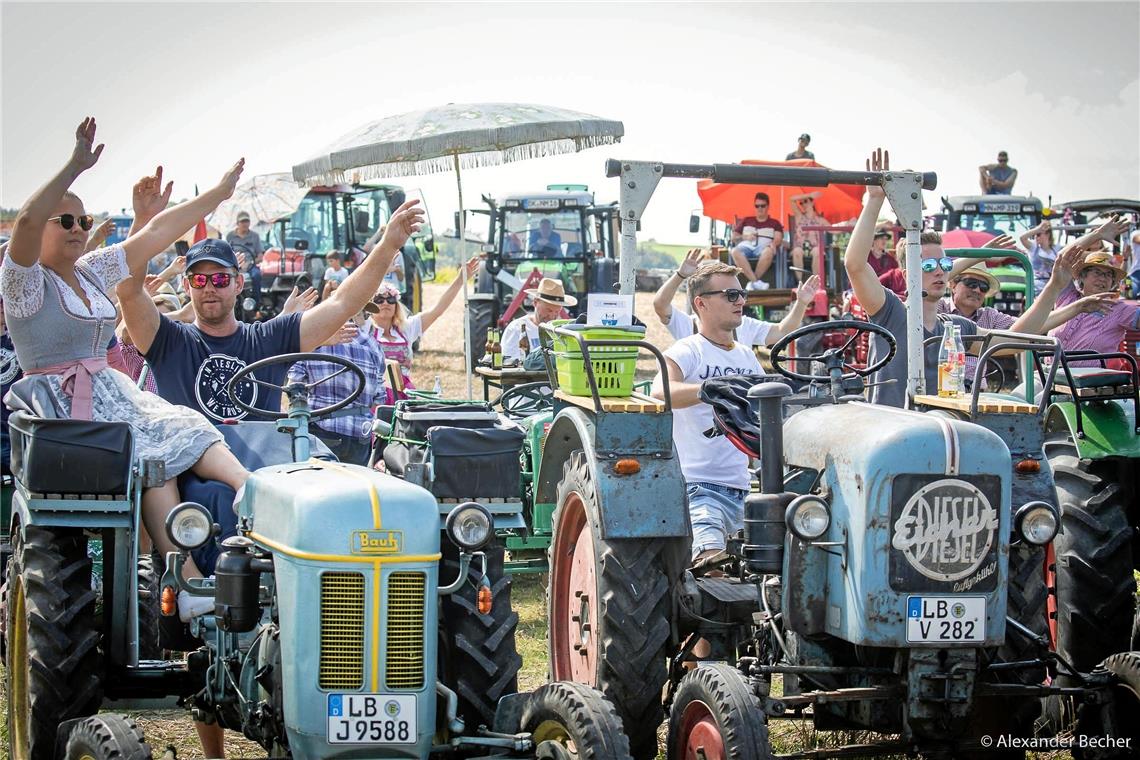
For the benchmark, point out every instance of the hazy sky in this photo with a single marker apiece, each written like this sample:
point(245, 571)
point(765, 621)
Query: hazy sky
point(944, 86)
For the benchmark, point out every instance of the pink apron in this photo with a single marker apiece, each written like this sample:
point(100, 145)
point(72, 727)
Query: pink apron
point(400, 351)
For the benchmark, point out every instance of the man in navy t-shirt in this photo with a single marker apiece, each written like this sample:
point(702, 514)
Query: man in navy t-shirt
point(193, 362)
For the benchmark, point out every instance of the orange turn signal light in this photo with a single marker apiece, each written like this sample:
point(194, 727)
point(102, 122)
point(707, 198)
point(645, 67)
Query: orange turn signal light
point(169, 601)
point(484, 599)
point(1027, 466)
point(627, 467)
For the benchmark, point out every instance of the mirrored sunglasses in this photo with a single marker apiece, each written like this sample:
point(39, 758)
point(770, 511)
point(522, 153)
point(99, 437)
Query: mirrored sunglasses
point(930, 265)
point(219, 280)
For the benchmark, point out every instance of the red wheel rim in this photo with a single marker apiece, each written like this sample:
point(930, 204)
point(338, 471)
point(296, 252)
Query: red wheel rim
point(1051, 599)
point(699, 736)
point(574, 607)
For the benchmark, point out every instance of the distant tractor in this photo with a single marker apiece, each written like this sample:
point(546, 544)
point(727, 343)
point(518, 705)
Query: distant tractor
point(579, 251)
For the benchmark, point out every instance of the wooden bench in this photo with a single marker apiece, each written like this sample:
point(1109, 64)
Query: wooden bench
point(637, 402)
point(986, 403)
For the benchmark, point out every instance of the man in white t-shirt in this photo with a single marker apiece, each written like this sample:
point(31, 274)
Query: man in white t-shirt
point(716, 472)
point(752, 331)
point(549, 299)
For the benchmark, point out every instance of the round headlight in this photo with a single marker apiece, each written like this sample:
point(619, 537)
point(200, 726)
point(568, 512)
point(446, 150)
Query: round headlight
point(189, 526)
point(248, 304)
point(1037, 522)
point(469, 526)
point(808, 517)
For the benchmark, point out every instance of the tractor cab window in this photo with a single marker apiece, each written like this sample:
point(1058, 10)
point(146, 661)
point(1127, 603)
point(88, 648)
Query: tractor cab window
point(312, 222)
point(1014, 225)
point(531, 235)
point(370, 212)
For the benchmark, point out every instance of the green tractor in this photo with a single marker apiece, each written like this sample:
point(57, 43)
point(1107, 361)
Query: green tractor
point(355, 614)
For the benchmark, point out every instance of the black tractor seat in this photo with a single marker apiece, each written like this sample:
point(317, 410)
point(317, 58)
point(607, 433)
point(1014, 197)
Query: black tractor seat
point(1094, 382)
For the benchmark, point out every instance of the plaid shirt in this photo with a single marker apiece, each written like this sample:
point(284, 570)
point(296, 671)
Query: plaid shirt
point(364, 353)
point(986, 317)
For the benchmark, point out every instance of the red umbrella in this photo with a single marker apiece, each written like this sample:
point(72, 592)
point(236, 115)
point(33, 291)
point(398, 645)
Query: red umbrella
point(965, 238)
point(726, 202)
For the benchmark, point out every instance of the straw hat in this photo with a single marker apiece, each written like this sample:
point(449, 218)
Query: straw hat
point(551, 291)
point(1101, 259)
point(979, 271)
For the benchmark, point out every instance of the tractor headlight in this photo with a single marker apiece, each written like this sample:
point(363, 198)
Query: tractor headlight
point(189, 526)
point(469, 526)
point(248, 304)
point(1036, 522)
point(808, 517)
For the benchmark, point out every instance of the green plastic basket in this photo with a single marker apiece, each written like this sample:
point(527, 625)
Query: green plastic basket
point(614, 366)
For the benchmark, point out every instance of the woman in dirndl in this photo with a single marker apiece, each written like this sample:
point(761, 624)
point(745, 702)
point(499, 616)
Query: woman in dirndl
point(60, 319)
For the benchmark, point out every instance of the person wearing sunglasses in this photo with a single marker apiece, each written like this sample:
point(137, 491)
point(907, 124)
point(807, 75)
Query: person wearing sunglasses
point(395, 332)
point(997, 178)
point(715, 471)
point(60, 317)
point(755, 241)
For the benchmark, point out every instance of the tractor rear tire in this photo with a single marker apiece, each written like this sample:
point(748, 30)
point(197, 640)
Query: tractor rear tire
point(479, 322)
point(569, 720)
point(107, 737)
point(716, 715)
point(609, 608)
point(150, 607)
point(482, 661)
point(54, 664)
point(1028, 602)
point(1096, 591)
point(1119, 718)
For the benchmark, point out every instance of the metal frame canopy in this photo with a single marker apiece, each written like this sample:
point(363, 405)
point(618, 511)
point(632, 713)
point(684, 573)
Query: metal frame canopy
point(904, 192)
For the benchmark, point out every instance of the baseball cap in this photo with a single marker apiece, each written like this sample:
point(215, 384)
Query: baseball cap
point(882, 234)
point(211, 249)
point(243, 216)
point(805, 136)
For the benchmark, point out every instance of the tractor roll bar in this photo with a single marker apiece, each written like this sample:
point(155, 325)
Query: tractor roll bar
point(748, 174)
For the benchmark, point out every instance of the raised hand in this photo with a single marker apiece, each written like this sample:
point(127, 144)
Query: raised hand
point(807, 290)
point(345, 334)
point(148, 198)
point(228, 183)
point(101, 233)
point(1102, 302)
point(83, 157)
point(151, 284)
point(880, 161)
point(299, 302)
point(1068, 261)
point(691, 261)
point(1112, 229)
point(406, 220)
point(473, 265)
point(1002, 242)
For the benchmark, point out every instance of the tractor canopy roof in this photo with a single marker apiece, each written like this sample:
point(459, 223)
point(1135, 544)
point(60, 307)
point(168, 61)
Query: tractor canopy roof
point(1098, 206)
point(998, 203)
point(547, 200)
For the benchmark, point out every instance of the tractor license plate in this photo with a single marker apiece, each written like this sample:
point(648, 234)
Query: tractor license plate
point(945, 619)
point(372, 719)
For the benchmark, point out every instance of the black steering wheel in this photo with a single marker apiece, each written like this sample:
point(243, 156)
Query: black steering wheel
point(525, 400)
point(858, 325)
point(294, 388)
point(297, 233)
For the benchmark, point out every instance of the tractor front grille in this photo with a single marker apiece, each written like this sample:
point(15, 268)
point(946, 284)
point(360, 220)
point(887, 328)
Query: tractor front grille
point(405, 655)
point(342, 631)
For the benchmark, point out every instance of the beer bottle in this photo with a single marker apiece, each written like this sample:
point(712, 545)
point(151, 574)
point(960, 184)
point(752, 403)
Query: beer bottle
point(524, 344)
point(496, 351)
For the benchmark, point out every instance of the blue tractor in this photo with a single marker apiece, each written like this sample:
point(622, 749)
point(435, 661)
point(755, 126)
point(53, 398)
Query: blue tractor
point(355, 614)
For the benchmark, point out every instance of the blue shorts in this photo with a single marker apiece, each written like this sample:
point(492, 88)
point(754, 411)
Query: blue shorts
point(716, 512)
point(751, 248)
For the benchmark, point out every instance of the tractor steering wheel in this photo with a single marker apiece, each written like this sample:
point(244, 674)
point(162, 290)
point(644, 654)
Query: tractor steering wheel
point(295, 388)
point(858, 325)
point(525, 400)
point(297, 233)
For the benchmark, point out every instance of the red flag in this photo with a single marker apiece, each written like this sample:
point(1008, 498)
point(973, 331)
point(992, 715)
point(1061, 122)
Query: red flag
point(200, 232)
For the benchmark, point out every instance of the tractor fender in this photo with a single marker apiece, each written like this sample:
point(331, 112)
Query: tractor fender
point(1109, 427)
point(648, 504)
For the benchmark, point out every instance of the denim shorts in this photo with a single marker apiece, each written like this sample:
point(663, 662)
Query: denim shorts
point(750, 248)
point(716, 512)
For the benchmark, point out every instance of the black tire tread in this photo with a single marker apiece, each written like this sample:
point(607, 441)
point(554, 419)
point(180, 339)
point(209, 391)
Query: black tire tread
point(107, 737)
point(736, 708)
point(64, 662)
point(150, 610)
point(1096, 591)
point(484, 663)
point(588, 717)
point(634, 610)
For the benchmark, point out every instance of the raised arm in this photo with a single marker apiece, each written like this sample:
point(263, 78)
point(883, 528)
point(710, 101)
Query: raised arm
point(870, 292)
point(101, 233)
point(663, 298)
point(1035, 319)
point(323, 320)
point(28, 229)
point(804, 298)
point(428, 317)
point(1001, 242)
point(171, 224)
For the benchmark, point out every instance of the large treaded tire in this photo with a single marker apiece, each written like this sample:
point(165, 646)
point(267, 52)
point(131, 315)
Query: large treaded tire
point(1119, 717)
point(482, 662)
point(1096, 592)
point(573, 714)
point(107, 737)
point(150, 607)
point(1028, 598)
point(54, 663)
point(479, 320)
point(714, 703)
point(630, 632)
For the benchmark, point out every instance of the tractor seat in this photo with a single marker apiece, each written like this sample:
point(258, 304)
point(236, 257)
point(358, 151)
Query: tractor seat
point(1091, 382)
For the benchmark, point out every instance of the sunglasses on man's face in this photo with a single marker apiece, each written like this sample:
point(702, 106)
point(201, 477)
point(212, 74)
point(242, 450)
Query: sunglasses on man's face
point(67, 221)
point(930, 265)
point(732, 295)
point(979, 285)
point(386, 299)
point(761, 205)
point(217, 279)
